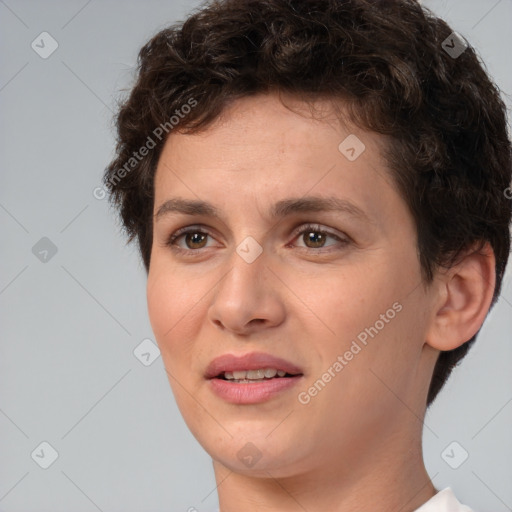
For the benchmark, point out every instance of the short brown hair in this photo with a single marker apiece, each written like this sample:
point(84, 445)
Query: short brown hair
point(449, 154)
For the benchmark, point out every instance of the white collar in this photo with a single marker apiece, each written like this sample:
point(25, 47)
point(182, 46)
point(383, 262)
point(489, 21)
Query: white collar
point(444, 501)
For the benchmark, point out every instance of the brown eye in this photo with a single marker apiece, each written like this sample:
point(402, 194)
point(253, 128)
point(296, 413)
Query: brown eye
point(315, 238)
point(188, 239)
point(195, 240)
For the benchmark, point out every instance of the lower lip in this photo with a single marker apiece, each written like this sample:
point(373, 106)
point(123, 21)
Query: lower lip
point(251, 392)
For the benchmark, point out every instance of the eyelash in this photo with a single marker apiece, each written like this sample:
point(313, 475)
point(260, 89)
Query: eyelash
point(315, 228)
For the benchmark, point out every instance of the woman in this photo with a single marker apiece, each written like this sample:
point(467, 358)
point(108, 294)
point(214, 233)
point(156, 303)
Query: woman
point(309, 184)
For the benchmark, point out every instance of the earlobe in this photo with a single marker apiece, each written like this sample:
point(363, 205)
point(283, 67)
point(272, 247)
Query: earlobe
point(463, 298)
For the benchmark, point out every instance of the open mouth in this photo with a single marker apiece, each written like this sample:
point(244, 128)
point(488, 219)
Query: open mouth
point(254, 376)
point(251, 378)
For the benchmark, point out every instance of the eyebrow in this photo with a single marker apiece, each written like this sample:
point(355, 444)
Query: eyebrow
point(280, 209)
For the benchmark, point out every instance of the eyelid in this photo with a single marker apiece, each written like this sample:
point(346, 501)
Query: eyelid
point(301, 229)
point(195, 228)
point(316, 228)
point(342, 239)
point(298, 231)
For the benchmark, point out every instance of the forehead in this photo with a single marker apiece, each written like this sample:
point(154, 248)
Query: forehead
point(260, 148)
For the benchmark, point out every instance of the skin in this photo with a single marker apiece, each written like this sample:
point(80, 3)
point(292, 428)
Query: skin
point(357, 444)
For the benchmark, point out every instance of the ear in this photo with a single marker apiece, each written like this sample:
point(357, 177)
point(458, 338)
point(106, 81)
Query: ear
point(462, 298)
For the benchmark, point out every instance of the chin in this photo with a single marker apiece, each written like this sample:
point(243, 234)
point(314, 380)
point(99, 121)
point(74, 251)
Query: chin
point(255, 455)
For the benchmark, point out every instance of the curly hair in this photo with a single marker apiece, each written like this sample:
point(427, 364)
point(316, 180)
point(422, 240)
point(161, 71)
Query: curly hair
point(387, 61)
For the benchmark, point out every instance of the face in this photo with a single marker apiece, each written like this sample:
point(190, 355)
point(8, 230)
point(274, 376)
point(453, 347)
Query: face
point(296, 246)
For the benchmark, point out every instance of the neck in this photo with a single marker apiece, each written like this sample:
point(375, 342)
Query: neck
point(391, 477)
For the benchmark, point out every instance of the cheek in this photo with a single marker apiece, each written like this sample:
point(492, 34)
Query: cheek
point(176, 309)
point(343, 301)
point(365, 309)
point(161, 307)
point(168, 300)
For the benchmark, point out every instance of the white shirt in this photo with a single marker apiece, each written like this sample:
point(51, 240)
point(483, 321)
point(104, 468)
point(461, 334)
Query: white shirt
point(443, 501)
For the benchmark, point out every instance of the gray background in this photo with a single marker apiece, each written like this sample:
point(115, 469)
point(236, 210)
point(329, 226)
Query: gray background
point(70, 325)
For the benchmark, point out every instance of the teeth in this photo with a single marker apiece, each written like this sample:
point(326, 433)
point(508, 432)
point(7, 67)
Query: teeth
point(260, 374)
point(255, 374)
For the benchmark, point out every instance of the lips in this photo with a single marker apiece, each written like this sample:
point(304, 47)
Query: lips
point(248, 391)
point(251, 361)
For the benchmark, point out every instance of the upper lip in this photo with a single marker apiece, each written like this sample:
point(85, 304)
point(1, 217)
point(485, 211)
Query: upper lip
point(250, 361)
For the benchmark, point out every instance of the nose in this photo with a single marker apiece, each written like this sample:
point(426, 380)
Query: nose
point(248, 298)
